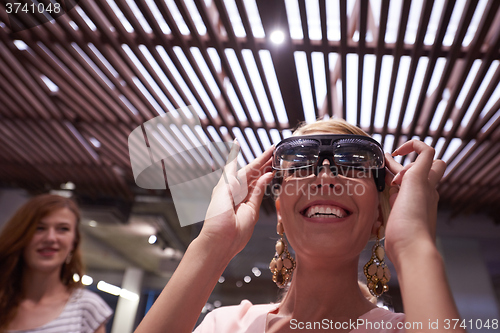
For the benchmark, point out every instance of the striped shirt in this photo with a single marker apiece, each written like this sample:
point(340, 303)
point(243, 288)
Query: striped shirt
point(84, 313)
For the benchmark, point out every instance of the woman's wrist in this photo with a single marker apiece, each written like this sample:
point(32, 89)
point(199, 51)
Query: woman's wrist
point(421, 251)
point(217, 252)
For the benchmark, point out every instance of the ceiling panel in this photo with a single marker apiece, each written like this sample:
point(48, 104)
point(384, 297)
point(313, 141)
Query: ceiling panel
point(74, 84)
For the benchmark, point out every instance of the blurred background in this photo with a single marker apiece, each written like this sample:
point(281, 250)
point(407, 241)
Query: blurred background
point(75, 83)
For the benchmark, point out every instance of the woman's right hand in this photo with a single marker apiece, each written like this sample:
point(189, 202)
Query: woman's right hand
point(235, 204)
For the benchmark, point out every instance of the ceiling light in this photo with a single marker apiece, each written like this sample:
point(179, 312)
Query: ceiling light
point(247, 279)
point(109, 288)
point(222, 279)
point(95, 142)
point(169, 252)
point(131, 296)
point(93, 224)
point(152, 239)
point(277, 37)
point(68, 186)
point(62, 193)
point(87, 280)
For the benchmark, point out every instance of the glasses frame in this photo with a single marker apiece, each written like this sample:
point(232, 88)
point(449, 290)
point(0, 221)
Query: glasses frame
point(325, 152)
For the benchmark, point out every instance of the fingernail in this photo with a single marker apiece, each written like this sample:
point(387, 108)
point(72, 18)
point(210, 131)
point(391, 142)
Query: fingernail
point(396, 177)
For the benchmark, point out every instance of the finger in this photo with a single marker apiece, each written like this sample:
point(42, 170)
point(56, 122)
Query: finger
point(245, 177)
point(424, 158)
point(398, 178)
point(437, 171)
point(232, 159)
point(259, 166)
point(392, 167)
point(258, 190)
point(392, 198)
point(391, 164)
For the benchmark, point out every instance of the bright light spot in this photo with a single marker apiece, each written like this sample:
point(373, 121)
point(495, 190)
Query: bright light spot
point(277, 37)
point(87, 280)
point(62, 193)
point(217, 304)
point(68, 186)
point(93, 224)
point(207, 307)
point(108, 288)
point(256, 271)
point(129, 295)
point(152, 239)
point(239, 284)
point(222, 279)
point(51, 85)
point(76, 277)
point(20, 45)
point(247, 279)
point(169, 252)
point(95, 142)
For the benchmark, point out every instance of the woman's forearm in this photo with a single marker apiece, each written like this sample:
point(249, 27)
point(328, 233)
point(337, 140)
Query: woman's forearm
point(181, 301)
point(427, 298)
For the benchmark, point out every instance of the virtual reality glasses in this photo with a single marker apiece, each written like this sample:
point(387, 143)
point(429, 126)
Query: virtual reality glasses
point(352, 156)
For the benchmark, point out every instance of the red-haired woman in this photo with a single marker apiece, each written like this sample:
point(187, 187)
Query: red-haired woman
point(39, 254)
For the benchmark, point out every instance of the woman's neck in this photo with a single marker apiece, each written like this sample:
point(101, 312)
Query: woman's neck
point(38, 286)
point(320, 291)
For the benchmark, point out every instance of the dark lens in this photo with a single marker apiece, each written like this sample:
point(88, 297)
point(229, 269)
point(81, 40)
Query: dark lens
point(358, 154)
point(296, 154)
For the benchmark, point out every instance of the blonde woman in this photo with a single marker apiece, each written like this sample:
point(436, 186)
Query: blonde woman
point(332, 196)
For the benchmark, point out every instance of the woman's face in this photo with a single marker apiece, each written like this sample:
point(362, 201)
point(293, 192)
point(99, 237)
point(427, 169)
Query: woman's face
point(52, 242)
point(328, 215)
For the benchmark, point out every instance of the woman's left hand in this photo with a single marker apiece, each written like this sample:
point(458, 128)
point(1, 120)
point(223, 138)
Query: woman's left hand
point(414, 207)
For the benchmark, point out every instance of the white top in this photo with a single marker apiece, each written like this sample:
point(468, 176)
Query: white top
point(84, 313)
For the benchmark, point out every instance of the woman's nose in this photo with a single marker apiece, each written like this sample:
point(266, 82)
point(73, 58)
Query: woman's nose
point(51, 235)
point(326, 170)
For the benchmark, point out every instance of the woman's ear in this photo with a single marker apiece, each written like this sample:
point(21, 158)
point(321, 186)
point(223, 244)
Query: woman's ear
point(379, 222)
point(375, 228)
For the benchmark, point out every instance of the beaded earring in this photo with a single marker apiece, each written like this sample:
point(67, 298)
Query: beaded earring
point(282, 264)
point(376, 271)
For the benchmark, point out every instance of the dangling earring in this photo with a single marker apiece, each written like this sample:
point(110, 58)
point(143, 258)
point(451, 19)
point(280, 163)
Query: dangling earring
point(376, 271)
point(282, 264)
point(68, 258)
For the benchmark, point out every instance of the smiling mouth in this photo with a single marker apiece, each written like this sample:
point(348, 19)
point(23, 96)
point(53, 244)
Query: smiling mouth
point(47, 251)
point(325, 211)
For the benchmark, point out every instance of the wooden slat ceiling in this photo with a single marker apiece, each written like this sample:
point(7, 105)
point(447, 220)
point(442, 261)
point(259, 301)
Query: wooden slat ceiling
point(73, 86)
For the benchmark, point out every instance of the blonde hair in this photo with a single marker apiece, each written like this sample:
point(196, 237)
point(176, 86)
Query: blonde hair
point(340, 126)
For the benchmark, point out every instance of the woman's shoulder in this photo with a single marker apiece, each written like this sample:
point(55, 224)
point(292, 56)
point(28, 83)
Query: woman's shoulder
point(87, 298)
point(244, 317)
point(94, 310)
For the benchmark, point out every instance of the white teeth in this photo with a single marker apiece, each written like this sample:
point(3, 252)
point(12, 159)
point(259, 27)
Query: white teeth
point(325, 211)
